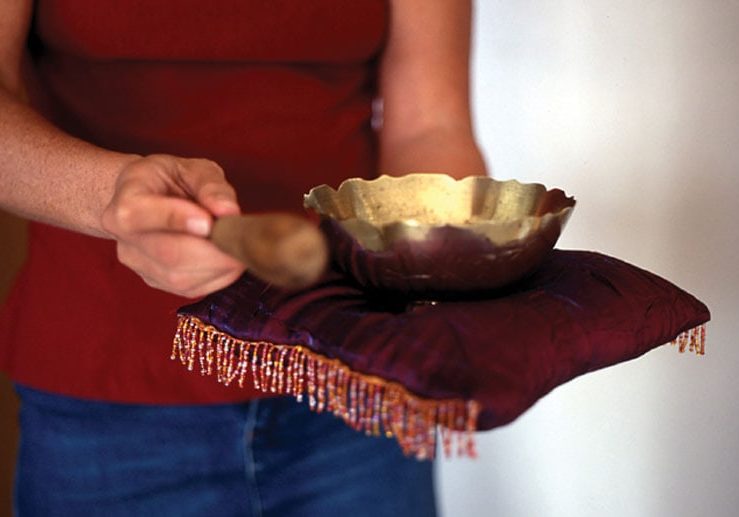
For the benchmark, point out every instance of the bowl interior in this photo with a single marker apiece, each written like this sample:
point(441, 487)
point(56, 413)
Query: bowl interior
point(379, 212)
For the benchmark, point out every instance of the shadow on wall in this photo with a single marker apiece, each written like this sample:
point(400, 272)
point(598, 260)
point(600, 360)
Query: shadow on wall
point(12, 253)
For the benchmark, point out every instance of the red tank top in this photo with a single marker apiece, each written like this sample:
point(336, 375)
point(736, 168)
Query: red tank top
point(278, 92)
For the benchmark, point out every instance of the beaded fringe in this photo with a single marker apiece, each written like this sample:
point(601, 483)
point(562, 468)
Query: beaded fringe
point(693, 340)
point(366, 403)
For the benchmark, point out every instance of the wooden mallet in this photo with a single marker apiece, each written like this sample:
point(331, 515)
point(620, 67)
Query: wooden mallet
point(282, 249)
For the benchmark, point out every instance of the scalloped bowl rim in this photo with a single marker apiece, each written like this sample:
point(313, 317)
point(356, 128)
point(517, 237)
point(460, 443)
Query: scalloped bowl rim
point(476, 224)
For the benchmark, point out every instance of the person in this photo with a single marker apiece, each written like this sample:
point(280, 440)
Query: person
point(126, 129)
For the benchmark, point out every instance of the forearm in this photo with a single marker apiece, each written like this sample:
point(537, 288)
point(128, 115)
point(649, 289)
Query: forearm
point(424, 85)
point(49, 176)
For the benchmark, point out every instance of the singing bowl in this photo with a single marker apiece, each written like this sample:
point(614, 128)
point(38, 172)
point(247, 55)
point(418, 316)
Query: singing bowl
point(429, 234)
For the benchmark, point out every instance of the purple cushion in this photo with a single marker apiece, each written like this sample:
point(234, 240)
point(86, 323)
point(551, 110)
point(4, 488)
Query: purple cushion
point(389, 366)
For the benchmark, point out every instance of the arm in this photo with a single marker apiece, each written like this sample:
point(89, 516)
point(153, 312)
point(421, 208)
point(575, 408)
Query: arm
point(424, 85)
point(157, 208)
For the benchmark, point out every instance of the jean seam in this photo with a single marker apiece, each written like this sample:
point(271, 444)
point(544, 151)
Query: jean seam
point(250, 470)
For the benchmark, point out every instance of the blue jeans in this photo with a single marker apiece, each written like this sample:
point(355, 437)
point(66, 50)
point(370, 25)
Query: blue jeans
point(270, 457)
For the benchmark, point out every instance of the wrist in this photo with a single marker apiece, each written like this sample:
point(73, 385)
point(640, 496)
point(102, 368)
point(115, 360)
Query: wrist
point(119, 162)
point(452, 152)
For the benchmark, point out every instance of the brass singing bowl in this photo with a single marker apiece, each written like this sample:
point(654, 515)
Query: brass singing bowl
point(429, 234)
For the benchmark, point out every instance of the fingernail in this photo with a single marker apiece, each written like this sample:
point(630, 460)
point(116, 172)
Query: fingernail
point(224, 201)
point(198, 226)
point(227, 206)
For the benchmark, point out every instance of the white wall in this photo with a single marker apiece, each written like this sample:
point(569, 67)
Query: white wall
point(633, 108)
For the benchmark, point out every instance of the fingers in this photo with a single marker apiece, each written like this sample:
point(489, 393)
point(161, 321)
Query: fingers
point(206, 182)
point(183, 265)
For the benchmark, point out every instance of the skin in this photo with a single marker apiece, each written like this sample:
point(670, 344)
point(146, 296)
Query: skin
point(160, 208)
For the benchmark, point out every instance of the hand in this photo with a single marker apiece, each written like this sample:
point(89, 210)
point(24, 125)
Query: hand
point(161, 211)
